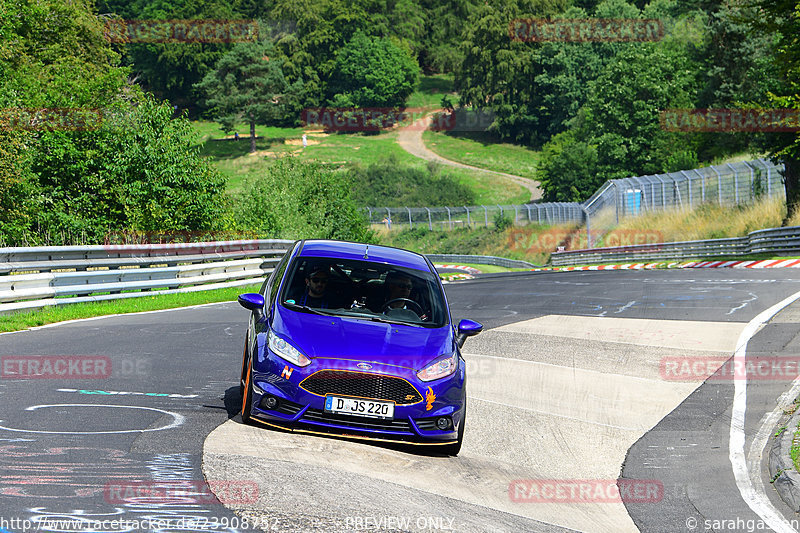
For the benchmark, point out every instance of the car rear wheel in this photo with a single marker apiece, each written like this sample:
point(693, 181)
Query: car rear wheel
point(247, 397)
point(453, 449)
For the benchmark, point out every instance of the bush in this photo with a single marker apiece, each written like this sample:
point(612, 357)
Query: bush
point(388, 183)
point(299, 200)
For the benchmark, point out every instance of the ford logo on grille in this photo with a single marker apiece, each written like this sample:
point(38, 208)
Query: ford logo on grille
point(364, 366)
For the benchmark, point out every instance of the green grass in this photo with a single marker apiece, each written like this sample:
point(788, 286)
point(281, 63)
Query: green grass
point(481, 150)
point(430, 91)
point(233, 159)
point(49, 315)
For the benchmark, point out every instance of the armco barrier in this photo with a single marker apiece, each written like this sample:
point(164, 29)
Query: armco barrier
point(32, 278)
point(777, 241)
point(480, 260)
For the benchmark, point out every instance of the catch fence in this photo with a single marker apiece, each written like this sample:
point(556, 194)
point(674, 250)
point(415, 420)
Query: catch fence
point(726, 185)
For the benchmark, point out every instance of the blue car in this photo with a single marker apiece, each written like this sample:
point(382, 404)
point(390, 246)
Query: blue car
point(356, 340)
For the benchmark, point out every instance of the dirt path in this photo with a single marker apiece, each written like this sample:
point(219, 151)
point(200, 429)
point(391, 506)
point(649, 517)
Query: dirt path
point(410, 139)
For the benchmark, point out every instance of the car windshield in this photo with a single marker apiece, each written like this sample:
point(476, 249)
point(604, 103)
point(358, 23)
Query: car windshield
point(364, 290)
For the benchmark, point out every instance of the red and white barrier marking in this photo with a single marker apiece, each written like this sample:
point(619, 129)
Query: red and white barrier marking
point(766, 263)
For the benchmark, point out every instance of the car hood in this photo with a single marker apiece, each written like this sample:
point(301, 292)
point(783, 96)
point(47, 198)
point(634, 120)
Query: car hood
point(363, 340)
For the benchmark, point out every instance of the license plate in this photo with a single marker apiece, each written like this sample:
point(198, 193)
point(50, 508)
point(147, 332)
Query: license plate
point(358, 407)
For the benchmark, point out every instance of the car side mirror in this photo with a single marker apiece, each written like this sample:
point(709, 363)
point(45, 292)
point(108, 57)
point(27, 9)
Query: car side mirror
point(252, 301)
point(467, 328)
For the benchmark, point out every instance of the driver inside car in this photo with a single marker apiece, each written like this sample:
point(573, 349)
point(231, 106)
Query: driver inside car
point(399, 287)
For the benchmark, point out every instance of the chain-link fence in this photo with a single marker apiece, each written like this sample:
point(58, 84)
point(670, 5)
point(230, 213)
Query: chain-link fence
point(728, 184)
point(433, 218)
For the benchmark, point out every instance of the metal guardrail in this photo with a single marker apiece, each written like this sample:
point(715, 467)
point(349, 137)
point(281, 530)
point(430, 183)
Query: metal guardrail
point(32, 278)
point(775, 241)
point(480, 260)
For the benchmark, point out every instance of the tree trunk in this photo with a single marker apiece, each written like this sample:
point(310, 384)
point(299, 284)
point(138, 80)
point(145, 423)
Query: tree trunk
point(791, 176)
point(252, 136)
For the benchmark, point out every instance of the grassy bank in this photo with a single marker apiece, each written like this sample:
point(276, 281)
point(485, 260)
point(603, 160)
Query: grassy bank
point(155, 302)
point(484, 151)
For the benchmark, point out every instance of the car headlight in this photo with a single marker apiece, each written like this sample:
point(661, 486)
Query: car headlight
point(440, 369)
point(283, 349)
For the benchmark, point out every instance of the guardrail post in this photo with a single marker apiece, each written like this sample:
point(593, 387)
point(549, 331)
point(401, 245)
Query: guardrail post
point(689, 186)
point(430, 223)
point(485, 216)
point(702, 183)
point(719, 184)
point(449, 219)
point(588, 229)
point(735, 183)
point(410, 223)
point(468, 222)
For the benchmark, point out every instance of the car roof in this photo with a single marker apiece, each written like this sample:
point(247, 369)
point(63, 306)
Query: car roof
point(357, 251)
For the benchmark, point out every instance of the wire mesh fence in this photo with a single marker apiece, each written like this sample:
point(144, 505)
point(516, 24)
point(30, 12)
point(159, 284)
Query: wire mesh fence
point(433, 218)
point(729, 184)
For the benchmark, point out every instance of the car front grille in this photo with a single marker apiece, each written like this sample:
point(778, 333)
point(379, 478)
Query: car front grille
point(356, 422)
point(361, 385)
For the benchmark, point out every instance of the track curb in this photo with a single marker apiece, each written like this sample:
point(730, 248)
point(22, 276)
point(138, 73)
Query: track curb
point(785, 479)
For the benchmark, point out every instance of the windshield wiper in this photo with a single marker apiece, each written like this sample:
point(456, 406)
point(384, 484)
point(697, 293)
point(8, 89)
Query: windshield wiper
point(307, 309)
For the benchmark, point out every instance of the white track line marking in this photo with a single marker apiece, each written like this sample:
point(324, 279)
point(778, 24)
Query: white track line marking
point(755, 499)
point(177, 420)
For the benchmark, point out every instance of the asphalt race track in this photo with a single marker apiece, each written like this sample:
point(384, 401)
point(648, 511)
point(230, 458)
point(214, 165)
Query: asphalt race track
point(576, 395)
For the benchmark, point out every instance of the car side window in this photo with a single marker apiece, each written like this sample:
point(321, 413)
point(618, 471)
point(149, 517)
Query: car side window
point(277, 276)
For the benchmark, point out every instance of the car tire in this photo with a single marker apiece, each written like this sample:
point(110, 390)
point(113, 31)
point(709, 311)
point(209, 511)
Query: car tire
point(453, 449)
point(247, 397)
point(244, 365)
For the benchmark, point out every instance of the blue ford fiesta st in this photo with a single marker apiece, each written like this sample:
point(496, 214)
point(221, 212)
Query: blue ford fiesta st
point(355, 340)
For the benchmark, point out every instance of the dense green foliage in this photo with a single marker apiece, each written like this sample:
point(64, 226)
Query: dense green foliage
point(372, 72)
point(61, 180)
point(248, 86)
point(301, 200)
point(389, 183)
point(592, 107)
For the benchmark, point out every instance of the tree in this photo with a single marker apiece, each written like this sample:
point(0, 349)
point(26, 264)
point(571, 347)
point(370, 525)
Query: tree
point(372, 72)
point(618, 133)
point(783, 18)
point(247, 85)
point(296, 199)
